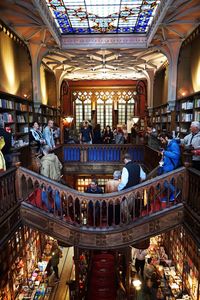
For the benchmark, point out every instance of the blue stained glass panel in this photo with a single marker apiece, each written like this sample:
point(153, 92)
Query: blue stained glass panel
point(103, 16)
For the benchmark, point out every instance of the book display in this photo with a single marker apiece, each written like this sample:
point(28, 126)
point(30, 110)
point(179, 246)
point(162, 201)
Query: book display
point(28, 254)
point(184, 253)
point(176, 264)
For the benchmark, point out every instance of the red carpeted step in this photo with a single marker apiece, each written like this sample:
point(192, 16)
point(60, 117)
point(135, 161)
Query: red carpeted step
point(102, 284)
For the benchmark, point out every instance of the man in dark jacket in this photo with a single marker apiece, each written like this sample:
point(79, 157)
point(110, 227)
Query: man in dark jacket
point(6, 150)
point(132, 173)
point(93, 188)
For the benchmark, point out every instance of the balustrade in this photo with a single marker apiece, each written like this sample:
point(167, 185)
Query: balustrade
point(101, 153)
point(105, 211)
point(193, 199)
point(8, 196)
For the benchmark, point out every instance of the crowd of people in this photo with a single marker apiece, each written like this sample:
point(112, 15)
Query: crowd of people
point(168, 146)
point(89, 134)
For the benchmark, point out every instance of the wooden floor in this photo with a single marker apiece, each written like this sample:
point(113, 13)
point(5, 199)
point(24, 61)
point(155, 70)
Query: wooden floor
point(66, 272)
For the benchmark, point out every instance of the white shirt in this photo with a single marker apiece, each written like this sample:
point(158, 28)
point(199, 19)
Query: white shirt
point(140, 254)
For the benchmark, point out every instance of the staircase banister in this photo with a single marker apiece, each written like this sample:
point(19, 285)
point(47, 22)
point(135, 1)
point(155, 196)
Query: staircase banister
point(7, 172)
point(88, 196)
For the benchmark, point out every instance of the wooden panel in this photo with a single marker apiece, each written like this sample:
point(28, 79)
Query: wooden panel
point(94, 239)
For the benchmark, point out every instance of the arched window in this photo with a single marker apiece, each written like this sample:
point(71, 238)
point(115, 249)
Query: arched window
point(83, 107)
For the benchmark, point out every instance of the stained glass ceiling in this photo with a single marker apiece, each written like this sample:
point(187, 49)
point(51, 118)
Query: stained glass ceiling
point(103, 16)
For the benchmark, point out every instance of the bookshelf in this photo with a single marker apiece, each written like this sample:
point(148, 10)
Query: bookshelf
point(43, 113)
point(17, 113)
point(187, 110)
point(183, 251)
point(161, 118)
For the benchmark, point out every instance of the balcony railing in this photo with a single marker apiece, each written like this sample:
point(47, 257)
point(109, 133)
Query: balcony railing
point(193, 186)
point(101, 153)
point(8, 198)
point(103, 211)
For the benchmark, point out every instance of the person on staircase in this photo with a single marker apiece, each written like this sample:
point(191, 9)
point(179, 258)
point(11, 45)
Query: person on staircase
point(171, 155)
point(93, 188)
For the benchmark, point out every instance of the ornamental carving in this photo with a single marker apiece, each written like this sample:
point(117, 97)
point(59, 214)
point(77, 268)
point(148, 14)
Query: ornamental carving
point(101, 240)
point(154, 225)
point(108, 42)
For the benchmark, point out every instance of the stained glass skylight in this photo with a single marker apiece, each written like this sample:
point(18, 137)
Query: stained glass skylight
point(103, 16)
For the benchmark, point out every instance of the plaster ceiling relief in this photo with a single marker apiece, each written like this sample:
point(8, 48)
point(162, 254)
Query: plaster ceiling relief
point(104, 64)
point(181, 18)
point(25, 20)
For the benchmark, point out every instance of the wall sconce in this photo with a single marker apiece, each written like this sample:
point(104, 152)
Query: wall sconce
point(135, 120)
point(68, 119)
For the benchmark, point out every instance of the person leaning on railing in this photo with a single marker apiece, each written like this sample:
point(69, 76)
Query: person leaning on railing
point(192, 142)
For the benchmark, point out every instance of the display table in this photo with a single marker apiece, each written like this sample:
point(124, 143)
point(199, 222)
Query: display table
point(37, 287)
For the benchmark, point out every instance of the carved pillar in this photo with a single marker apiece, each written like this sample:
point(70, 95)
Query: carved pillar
point(171, 50)
point(128, 271)
point(18, 187)
point(150, 83)
point(34, 52)
point(76, 263)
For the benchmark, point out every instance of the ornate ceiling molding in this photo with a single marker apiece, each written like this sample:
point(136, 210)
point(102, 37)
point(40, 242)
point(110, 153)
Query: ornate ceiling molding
point(104, 41)
point(48, 19)
point(164, 6)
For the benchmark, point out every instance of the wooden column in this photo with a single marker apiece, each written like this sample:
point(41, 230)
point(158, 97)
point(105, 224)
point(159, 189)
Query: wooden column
point(76, 263)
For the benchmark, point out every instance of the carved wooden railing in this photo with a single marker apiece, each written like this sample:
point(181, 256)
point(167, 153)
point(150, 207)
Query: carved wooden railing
point(193, 199)
point(109, 211)
point(8, 198)
point(101, 153)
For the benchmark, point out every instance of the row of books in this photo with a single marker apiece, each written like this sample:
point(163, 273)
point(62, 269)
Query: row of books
point(6, 117)
point(6, 104)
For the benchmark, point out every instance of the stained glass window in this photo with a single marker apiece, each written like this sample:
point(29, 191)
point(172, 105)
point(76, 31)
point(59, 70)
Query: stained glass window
point(103, 16)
